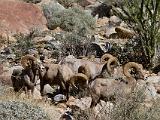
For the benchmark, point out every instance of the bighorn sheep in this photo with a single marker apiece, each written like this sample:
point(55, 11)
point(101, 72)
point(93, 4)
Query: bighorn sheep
point(60, 75)
point(25, 78)
point(50, 76)
point(106, 89)
point(78, 65)
point(106, 69)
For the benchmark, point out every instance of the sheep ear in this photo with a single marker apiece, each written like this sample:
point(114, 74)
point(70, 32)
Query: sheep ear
point(130, 65)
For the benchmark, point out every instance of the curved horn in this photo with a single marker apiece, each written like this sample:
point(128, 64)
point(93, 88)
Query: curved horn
point(24, 60)
point(105, 57)
point(85, 70)
point(130, 65)
point(111, 61)
point(80, 77)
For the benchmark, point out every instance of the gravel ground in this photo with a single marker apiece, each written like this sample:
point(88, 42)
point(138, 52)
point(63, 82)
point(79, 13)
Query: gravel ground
point(15, 110)
point(2, 89)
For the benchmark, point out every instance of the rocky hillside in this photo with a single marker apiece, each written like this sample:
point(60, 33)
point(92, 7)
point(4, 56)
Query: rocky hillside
point(54, 31)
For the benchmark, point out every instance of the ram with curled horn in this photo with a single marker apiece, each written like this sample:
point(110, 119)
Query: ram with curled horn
point(79, 79)
point(109, 88)
point(99, 70)
point(105, 57)
point(27, 76)
point(89, 68)
point(52, 76)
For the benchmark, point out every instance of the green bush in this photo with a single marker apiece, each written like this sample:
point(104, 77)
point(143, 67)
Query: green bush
point(72, 43)
point(142, 16)
point(71, 20)
point(23, 44)
point(16, 110)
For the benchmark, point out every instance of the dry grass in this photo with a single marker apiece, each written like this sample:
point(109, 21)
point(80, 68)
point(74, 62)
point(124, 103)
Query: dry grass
point(132, 107)
point(49, 109)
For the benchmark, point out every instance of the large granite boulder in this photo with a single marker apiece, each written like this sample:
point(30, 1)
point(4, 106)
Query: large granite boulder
point(20, 17)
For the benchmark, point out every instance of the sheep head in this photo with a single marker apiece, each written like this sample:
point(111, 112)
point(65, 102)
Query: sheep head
point(26, 61)
point(105, 57)
point(79, 78)
point(109, 66)
point(137, 69)
point(85, 70)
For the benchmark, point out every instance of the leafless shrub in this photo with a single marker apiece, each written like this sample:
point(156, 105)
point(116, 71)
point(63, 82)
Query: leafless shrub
point(131, 107)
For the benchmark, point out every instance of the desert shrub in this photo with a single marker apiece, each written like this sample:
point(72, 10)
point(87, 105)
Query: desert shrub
point(2, 42)
point(133, 108)
point(143, 16)
point(130, 51)
point(72, 43)
point(23, 44)
point(129, 107)
point(79, 114)
point(49, 10)
point(21, 111)
point(77, 26)
point(67, 3)
point(72, 20)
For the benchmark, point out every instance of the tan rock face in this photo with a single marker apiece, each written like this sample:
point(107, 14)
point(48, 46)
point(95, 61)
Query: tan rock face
point(16, 17)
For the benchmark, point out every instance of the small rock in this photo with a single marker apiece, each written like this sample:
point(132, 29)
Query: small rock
point(115, 20)
point(59, 98)
point(48, 89)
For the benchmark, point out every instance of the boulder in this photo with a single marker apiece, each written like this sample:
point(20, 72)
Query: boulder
point(48, 89)
point(85, 3)
point(115, 20)
point(153, 79)
point(20, 17)
point(83, 103)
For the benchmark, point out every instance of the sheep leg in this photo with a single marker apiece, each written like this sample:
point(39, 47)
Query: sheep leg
point(67, 91)
point(95, 100)
point(41, 87)
point(62, 90)
point(32, 90)
point(29, 94)
point(28, 81)
point(25, 89)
